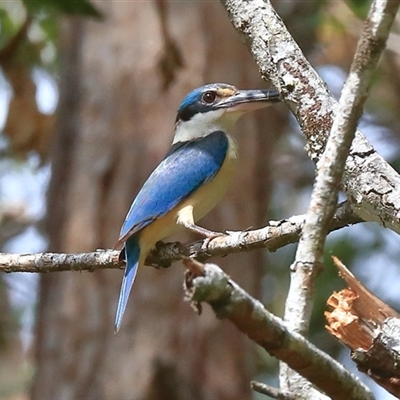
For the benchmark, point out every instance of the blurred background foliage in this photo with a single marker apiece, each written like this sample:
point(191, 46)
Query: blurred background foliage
point(326, 30)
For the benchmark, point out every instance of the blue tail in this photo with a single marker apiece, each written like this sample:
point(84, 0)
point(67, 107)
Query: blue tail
point(132, 252)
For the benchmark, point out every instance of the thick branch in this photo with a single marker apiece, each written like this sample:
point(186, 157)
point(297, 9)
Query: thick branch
point(371, 183)
point(330, 171)
point(210, 284)
point(277, 234)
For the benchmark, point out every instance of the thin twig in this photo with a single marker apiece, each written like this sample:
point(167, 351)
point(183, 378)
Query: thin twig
point(277, 234)
point(271, 391)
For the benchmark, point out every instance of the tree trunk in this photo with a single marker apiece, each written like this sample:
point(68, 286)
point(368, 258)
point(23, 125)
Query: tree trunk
point(115, 122)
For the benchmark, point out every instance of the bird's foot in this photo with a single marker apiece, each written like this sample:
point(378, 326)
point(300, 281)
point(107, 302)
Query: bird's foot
point(211, 236)
point(203, 231)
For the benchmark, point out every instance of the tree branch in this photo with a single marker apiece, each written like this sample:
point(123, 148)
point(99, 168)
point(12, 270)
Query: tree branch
point(57, 262)
point(330, 170)
point(281, 61)
point(277, 234)
point(371, 183)
point(208, 283)
point(369, 327)
point(271, 391)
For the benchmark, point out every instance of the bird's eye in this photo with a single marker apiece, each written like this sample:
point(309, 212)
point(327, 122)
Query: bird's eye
point(209, 97)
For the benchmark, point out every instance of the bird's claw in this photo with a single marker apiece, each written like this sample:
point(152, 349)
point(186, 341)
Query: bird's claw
point(209, 238)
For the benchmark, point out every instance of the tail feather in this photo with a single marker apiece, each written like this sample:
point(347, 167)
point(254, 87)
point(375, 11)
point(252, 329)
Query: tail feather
point(132, 253)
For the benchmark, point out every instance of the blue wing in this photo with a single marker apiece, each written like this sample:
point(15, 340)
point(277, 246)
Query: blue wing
point(183, 170)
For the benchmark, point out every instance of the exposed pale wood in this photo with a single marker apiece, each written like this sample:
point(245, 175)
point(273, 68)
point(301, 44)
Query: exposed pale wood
point(369, 327)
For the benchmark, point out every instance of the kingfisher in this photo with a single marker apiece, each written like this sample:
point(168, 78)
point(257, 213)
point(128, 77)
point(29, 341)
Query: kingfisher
point(191, 179)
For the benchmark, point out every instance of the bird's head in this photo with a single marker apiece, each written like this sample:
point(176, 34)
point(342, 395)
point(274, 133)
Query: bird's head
point(217, 106)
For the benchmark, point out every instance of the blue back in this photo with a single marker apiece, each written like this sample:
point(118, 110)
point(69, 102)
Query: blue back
point(182, 171)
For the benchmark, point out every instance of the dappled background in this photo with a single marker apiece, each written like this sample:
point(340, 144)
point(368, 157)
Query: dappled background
point(88, 98)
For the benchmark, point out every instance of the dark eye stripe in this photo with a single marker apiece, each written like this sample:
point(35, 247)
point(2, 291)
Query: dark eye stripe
point(188, 112)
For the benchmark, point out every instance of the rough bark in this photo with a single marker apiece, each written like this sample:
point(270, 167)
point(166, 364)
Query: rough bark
point(330, 170)
point(372, 185)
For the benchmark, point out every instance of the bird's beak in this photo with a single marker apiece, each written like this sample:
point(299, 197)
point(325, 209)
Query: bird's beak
point(249, 100)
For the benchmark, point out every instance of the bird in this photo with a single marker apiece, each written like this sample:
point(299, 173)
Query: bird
point(191, 179)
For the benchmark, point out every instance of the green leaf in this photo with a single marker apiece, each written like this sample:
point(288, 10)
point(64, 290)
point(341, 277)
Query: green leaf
point(49, 27)
point(7, 26)
point(80, 7)
point(359, 7)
